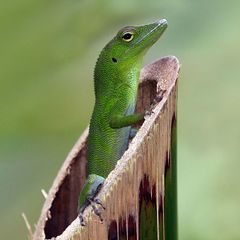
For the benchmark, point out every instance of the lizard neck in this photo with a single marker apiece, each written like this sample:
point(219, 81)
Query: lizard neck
point(110, 76)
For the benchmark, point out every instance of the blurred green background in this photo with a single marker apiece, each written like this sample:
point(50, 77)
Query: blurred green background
point(47, 54)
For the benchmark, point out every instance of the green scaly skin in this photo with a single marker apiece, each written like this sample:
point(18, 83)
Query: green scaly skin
point(116, 83)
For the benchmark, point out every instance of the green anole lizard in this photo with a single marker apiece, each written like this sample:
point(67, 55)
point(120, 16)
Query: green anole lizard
point(115, 83)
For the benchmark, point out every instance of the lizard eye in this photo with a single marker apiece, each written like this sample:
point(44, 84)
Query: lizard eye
point(127, 36)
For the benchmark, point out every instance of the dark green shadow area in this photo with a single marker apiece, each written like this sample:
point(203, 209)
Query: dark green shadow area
point(148, 212)
point(170, 201)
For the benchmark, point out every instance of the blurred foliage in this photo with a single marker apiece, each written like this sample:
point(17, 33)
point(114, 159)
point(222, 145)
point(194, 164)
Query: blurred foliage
point(47, 54)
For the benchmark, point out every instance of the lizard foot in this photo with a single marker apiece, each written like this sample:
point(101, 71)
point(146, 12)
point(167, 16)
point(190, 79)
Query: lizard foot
point(88, 196)
point(156, 100)
point(96, 210)
point(98, 201)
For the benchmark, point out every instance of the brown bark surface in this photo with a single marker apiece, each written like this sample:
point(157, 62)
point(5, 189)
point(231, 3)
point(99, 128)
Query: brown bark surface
point(145, 160)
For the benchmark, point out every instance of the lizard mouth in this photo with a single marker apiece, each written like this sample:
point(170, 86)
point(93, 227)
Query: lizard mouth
point(159, 27)
point(154, 34)
point(162, 21)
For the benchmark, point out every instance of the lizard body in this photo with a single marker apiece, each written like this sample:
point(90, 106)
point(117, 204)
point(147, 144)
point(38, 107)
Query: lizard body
point(115, 83)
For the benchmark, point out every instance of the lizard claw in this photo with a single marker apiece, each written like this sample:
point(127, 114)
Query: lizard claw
point(157, 99)
point(81, 219)
point(148, 113)
point(98, 201)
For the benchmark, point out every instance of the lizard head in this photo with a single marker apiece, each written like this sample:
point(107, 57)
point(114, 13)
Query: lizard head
point(131, 43)
point(123, 55)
